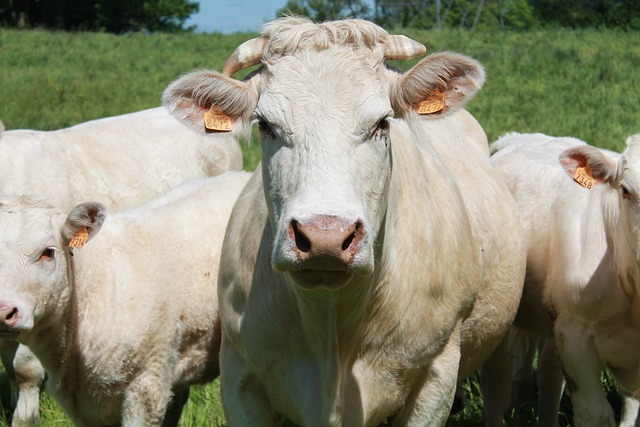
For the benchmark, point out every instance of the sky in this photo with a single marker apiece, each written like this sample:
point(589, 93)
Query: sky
point(230, 16)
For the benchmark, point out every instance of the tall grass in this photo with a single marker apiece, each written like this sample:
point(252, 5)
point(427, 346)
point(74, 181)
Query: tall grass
point(582, 83)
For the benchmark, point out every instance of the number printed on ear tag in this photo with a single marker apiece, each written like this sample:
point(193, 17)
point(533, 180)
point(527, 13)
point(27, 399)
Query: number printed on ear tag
point(80, 238)
point(433, 104)
point(216, 120)
point(584, 177)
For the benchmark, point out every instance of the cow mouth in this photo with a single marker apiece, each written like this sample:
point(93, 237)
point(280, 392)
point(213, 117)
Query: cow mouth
point(329, 279)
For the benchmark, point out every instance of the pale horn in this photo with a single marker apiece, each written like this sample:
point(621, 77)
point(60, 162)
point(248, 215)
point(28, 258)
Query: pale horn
point(397, 46)
point(247, 54)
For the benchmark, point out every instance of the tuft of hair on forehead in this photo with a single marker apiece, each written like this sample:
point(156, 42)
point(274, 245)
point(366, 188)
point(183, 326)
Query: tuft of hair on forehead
point(293, 33)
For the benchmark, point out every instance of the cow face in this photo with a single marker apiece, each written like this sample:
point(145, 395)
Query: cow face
point(33, 252)
point(325, 163)
point(325, 110)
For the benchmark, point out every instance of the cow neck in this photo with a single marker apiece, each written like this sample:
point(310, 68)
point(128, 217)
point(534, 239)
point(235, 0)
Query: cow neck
point(333, 322)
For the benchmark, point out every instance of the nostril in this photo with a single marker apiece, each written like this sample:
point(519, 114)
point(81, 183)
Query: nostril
point(302, 243)
point(12, 315)
point(350, 238)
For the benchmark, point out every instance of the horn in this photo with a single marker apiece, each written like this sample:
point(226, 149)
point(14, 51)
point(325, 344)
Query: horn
point(397, 46)
point(247, 54)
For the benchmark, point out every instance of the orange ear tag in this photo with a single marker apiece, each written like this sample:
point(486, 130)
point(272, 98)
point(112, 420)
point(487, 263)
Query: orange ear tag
point(433, 104)
point(80, 238)
point(584, 177)
point(216, 120)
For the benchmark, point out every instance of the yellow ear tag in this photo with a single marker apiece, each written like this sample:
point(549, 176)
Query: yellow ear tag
point(584, 177)
point(80, 238)
point(216, 120)
point(433, 104)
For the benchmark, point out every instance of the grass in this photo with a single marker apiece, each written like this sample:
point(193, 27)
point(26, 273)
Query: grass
point(582, 83)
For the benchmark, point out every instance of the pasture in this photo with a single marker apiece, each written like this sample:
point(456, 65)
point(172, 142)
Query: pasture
point(580, 83)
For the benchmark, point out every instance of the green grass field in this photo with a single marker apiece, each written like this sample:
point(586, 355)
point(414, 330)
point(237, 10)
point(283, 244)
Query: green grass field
point(582, 83)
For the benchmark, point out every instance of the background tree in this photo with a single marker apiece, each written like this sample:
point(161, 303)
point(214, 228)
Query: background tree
point(426, 14)
point(590, 13)
point(322, 10)
point(115, 16)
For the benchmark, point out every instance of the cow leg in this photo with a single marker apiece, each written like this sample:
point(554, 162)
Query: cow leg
point(495, 383)
point(630, 406)
point(432, 404)
point(550, 383)
point(582, 370)
point(146, 400)
point(29, 375)
point(26, 375)
point(244, 401)
point(522, 348)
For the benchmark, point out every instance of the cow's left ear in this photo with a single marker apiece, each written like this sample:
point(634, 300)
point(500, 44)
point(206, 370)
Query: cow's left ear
point(83, 222)
point(437, 85)
point(586, 164)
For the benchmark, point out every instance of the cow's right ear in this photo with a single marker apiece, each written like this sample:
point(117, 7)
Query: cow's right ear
point(208, 101)
point(602, 168)
point(83, 222)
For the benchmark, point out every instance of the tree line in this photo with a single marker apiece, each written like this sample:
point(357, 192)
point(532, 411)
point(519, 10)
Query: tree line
point(120, 16)
point(116, 16)
point(517, 14)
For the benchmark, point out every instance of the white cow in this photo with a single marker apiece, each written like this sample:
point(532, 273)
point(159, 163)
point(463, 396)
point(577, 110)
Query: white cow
point(374, 258)
point(130, 318)
point(120, 161)
point(582, 266)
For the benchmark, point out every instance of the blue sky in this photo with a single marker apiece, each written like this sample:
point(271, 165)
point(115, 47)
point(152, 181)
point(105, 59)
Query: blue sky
point(230, 16)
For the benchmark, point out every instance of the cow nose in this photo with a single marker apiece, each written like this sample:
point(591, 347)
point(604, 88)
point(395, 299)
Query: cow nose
point(8, 315)
point(326, 242)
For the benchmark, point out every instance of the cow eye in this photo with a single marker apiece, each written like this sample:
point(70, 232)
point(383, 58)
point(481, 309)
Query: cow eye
point(626, 194)
point(265, 129)
point(381, 129)
point(48, 254)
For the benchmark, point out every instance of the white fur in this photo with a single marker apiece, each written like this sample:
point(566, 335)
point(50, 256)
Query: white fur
point(131, 317)
point(582, 266)
point(120, 161)
point(436, 279)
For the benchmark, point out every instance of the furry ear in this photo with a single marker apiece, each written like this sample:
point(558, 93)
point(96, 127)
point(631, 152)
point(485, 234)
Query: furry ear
point(83, 222)
point(203, 97)
point(442, 82)
point(604, 169)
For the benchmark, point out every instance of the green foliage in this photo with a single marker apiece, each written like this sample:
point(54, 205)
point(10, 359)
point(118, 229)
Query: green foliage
point(623, 14)
point(425, 14)
point(322, 10)
point(513, 14)
point(582, 83)
point(114, 16)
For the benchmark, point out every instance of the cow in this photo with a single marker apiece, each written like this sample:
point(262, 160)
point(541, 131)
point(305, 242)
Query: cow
point(121, 309)
point(579, 208)
point(374, 258)
point(119, 161)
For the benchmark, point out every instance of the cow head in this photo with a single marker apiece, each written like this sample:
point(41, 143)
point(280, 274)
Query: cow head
point(621, 174)
point(34, 241)
point(325, 102)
